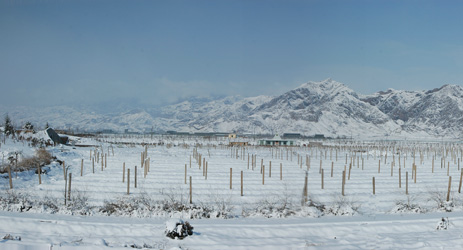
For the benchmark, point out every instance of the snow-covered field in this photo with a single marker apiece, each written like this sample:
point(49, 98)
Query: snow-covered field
point(272, 213)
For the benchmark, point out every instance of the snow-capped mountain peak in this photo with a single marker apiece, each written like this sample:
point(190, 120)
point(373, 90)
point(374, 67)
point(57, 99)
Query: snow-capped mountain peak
point(326, 107)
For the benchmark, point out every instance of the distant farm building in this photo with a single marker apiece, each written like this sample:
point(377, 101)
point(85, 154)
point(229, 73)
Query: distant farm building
point(231, 136)
point(276, 141)
point(238, 143)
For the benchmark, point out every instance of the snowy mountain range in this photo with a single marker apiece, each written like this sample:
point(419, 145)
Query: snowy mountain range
point(327, 107)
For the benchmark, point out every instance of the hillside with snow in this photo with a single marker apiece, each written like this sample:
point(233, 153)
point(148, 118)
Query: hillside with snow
point(327, 107)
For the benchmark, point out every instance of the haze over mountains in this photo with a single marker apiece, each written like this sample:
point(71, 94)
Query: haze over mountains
point(327, 107)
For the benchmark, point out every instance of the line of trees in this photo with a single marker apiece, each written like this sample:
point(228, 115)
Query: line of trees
point(8, 128)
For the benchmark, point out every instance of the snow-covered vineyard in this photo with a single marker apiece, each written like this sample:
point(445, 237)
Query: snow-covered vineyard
point(119, 191)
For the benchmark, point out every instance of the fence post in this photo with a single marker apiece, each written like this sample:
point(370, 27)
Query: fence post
point(374, 191)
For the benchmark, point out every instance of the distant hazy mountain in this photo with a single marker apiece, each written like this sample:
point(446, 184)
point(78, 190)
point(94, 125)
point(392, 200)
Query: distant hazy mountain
point(327, 107)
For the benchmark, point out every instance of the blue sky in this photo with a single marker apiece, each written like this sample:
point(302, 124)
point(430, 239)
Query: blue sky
point(55, 52)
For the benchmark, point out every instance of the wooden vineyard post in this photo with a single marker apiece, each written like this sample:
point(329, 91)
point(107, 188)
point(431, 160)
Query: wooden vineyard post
point(93, 165)
point(332, 164)
point(400, 178)
point(433, 164)
point(105, 160)
point(128, 181)
point(39, 169)
point(81, 167)
point(242, 182)
point(185, 173)
point(69, 187)
point(374, 191)
point(263, 174)
point(191, 191)
point(231, 170)
point(248, 160)
point(461, 177)
point(145, 169)
point(406, 183)
point(123, 172)
point(207, 167)
point(135, 175)
point(270, 169)
point(414, 179)
point(392, 168)
point(322, 179)
point(9, 176)
point(350, 167)
point(343, 181)
point(379, 166)
point(305, 192)
point(448, 191)
point(142, 159)
point(281, 171)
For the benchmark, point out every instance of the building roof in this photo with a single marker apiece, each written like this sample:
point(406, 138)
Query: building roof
point(277, 138)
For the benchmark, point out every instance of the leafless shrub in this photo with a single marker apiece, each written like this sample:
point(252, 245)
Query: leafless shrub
point(407, 206)
point(440, 199)
point(42, 157)
point(342, 206)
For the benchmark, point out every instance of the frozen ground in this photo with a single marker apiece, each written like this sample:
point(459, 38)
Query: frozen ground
point(45, 231)
point(268, 216)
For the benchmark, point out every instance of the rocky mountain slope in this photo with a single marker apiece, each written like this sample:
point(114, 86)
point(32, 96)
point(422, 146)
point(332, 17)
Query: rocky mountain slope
point(327, 107)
